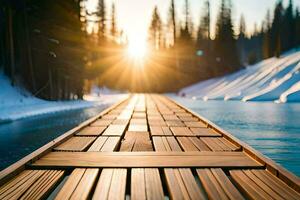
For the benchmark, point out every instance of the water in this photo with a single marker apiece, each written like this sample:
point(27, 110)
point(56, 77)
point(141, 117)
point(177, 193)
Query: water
point(273, 129)
point(20, 138)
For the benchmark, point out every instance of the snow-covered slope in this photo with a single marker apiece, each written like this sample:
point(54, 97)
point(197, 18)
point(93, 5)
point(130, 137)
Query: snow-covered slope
point(17, 103)
point(273, 79)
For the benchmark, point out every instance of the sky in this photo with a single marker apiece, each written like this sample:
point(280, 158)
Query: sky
point(133, 16)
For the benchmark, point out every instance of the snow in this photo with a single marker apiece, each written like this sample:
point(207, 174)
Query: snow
point(273, 79)
point(17, 103)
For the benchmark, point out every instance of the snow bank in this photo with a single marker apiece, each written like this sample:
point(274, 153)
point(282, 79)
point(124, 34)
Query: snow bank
point(17, 103)
point(273, 79)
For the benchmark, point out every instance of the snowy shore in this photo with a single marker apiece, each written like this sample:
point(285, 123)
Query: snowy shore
point(16, 103)
point(273, 79)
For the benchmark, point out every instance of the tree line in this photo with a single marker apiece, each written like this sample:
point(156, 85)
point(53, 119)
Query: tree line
point(199, 57)
point(58, 49)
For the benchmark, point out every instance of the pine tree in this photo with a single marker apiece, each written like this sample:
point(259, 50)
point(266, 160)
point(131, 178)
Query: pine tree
point(172, 22)
point(225, 44)
point(288, 33)
point(155, 29)
point(266, 45)
point(242, 28)
point(101, 12)
point(276, 30)
point(113, 29)
point(185, 31)
point(204, 43)
point(297, 28)
point(204, 27)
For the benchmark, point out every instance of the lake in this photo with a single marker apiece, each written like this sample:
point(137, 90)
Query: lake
point(273, 129)
point(20, 138)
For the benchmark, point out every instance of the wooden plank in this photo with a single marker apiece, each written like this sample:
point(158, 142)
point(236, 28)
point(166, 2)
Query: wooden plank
point(142, 121)
point(201, 146)
point(146, 184)
point(136, 141)
point(186, 144)
point(215, 144)
point(217, 184)
point(155, 122)
point(98, 144)
point(111, 144)
point(262, 185)
point(175, 123)
point(138, 185)
point(173, 144)
point(250, 188)
point(182, 184)
point(114, 130)
point(138, 128)
point(197, 124)
point(138, 115)
point(83, 187)
point(101, 122)
point(75, 144)
point(91, 131)
point(146, 159)
point(159, 144)
point(43, 185)
point(276, 184)
point(171, 117)
point(109, 116)
point(121, 121)
point(230, 145)
point(188, 119)
point(31, 184)
point(205, 132)
point(111, 184)
point(105, 144)
point(160, 131)
point(181, 131)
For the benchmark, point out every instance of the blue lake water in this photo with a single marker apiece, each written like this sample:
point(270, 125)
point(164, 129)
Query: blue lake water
point(273, 129)
point(21, 137)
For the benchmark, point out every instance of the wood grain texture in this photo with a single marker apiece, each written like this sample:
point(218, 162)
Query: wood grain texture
point(75, 144)
point(146, 159)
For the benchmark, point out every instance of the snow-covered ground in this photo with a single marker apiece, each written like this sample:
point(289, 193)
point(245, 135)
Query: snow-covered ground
point(273, 79)
point(17, 103)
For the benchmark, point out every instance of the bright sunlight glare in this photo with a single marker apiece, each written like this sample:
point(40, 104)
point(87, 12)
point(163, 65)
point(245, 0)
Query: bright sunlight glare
point(137, 49)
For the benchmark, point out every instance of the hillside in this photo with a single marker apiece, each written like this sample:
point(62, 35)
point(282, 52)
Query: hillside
point(17, 103)
point(273, 79)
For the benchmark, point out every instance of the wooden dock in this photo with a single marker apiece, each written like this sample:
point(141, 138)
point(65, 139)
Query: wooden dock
point(147, 147)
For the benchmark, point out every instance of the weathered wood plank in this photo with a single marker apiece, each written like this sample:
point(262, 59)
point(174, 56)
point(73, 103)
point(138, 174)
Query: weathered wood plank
point(114, 130)
point(138, 127)
point(205, 132)
point(146, 184)
point(91, 131)
point(197, 124)
point(249, 187)
point(146, 159)
point(31, 184)
point(217, 184)
point(75, 144)
point(276, 184)
point(101, 122)
point(181, 131)
point(136, 141)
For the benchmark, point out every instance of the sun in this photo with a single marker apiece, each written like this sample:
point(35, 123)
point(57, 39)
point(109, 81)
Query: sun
point(137, 49)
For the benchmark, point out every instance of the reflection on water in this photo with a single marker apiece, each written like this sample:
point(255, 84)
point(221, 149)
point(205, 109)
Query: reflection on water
point(19, 138)
point(273, 129)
